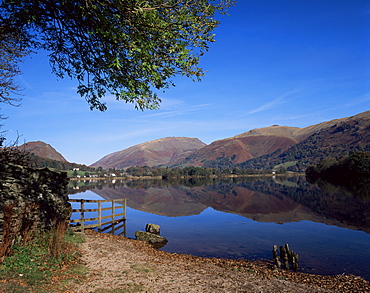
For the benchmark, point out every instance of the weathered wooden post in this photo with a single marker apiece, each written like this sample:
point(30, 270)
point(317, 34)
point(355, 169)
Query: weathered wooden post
point(82, 215)
point(287, 250)
point(124, 227)
point(275, 256)
point(284, 257)
point(124, 216)
point(113, 212)
point(99, 216)
point(125, 208)
point(287, 256)
point(294, 261)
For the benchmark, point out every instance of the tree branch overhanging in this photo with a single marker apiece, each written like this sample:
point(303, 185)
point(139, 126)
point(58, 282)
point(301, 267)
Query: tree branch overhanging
point(125, 48)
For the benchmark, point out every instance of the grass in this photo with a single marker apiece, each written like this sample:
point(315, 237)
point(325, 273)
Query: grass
point(280, 278)
point(285, 165)
point(47, 263)
point(142, 268)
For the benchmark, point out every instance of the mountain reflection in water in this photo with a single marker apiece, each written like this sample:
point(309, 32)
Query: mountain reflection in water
point(265, 200)
point(279, 200)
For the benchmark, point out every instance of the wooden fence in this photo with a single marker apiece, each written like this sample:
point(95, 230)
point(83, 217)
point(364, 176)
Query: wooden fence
point(112, 223)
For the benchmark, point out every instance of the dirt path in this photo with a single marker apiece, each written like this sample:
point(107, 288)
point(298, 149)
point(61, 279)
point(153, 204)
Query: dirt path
point(134, 266)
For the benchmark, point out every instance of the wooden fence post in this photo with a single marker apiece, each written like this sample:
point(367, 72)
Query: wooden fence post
point(124, 208)
point(112, 211)
point(99, 216)
point(82, 215)
point(275, 256)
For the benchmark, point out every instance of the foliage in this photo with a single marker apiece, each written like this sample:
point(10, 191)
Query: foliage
point(169, 172)
point(11, 53)
point(128, 49)
point(353, 170)
point(359, 164)
point(39, 265)
point(190, 171)
point(221, 163)
point(39, 162)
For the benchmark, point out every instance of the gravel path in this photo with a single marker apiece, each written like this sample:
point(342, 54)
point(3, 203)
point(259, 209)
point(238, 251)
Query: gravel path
point(119, 264)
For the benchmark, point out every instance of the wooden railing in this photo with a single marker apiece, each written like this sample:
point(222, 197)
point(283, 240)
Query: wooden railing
point(113, 223)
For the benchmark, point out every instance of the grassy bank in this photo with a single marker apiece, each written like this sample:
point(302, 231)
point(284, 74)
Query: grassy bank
point(50, 262)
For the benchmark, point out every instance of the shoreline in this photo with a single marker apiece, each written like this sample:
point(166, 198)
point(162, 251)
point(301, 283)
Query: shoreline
point(157, 271)
point(184, 177)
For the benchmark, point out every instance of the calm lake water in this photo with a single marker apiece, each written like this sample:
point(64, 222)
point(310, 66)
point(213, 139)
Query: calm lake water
point(243, 218)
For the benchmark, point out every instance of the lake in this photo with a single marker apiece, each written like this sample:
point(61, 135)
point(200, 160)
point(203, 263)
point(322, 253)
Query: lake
point(242, 218)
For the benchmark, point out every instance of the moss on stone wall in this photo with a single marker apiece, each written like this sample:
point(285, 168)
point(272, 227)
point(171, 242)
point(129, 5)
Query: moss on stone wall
point(38, 198)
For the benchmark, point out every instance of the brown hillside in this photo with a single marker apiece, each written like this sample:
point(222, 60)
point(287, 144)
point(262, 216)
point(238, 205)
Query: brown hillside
point(261, 145)
point(275, 130)
point(343, 136)
point(295, 133)
point(43, 150)
point(333, 139)
point(243, 147)
point(292, 142)
point(152, 153)
point(264, 141)
point(220, 148)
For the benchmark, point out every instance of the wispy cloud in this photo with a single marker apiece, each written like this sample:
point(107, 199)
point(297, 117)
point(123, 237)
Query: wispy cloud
point(171, 104)
point(167, 106)
point(268, 105)
point(296, 117)
point(51, 103)
point(181, 110)
point(275, 102)
point(359, 100)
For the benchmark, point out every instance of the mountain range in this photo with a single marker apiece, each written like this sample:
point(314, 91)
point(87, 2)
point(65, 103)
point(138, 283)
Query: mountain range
point(263, 148)
point(267, 147)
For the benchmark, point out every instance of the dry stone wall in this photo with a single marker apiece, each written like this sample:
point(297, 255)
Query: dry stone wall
point(38, 198)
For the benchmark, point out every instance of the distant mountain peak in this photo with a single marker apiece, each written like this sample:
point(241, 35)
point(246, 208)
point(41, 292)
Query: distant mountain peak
point(274, 130)
point(42, 149)
point(163, 151)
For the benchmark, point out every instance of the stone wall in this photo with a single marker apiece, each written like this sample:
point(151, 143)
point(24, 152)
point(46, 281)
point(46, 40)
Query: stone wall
point(38, 198)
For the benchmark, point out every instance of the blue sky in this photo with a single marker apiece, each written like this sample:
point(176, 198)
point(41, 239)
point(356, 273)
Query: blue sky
point(286, 62)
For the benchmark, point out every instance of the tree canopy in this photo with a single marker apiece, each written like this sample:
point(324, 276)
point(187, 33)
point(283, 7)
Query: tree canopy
point(11, 54)
point(356, 165)
point(129, 49)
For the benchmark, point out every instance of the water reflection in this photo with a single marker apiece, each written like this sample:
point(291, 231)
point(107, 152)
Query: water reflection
point(244, 217)
point(279, 200)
